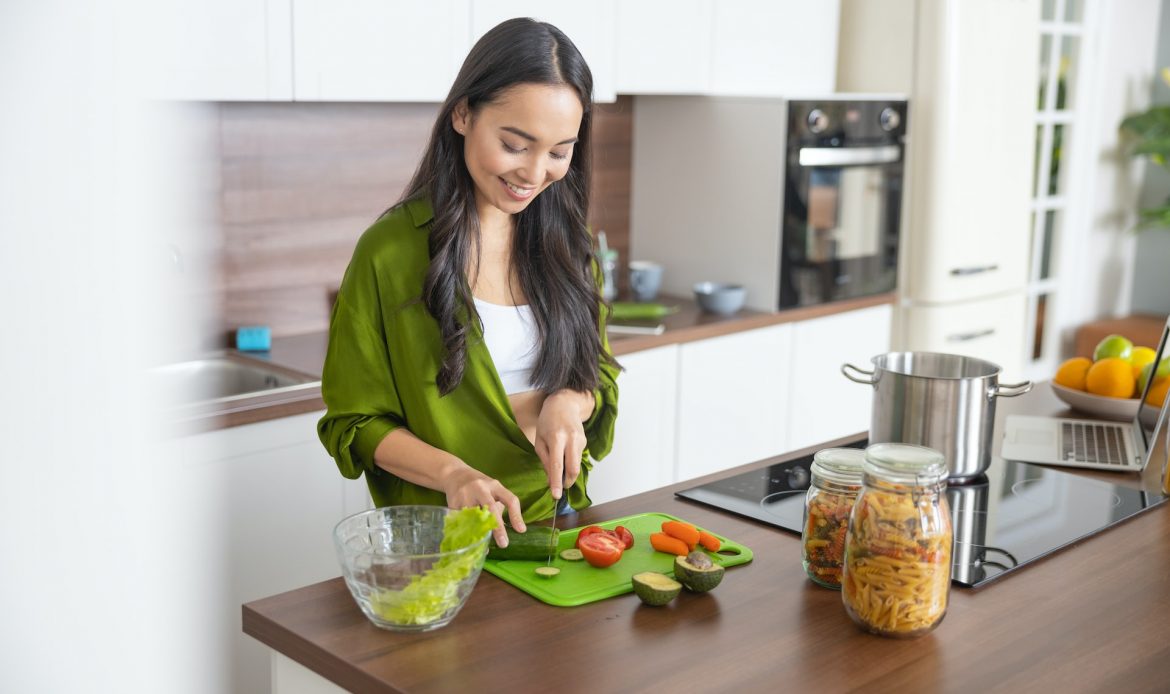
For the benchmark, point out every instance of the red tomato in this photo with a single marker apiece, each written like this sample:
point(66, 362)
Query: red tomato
point(589, 530)
point(600, 549)
point(625, 536)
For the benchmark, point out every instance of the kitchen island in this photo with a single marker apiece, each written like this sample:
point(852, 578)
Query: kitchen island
point(1091, 617)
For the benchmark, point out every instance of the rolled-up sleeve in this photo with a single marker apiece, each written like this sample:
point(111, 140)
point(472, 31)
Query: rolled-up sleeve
point(358, 386)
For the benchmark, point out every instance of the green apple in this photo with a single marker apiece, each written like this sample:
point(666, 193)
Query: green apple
point(1113, 346)
point(1163, 371)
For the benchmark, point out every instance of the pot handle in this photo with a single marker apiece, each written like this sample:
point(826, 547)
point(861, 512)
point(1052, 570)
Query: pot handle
point(865, 381)
point(1011, 390)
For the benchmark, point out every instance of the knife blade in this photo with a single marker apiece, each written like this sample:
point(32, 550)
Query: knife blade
point(557, 508)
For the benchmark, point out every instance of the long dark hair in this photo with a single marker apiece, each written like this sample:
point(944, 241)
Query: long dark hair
point(551, 247)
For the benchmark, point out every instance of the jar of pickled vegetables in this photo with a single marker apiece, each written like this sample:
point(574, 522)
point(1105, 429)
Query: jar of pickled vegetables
point(836, 482)
point(897, 571)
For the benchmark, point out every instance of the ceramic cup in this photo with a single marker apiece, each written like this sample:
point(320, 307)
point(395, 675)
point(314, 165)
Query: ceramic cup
point(645, 279)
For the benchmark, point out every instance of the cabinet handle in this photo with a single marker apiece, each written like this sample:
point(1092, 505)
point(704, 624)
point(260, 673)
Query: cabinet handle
point(967, 337)
point(978, 269)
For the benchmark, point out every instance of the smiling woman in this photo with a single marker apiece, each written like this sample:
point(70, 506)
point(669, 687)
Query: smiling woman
point(467, 359)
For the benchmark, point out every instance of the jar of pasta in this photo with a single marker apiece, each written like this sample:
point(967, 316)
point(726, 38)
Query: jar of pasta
point(897, 572)
point(836, 482)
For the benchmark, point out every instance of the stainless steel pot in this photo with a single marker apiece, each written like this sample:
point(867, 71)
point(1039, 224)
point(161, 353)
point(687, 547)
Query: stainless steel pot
point(943, 401)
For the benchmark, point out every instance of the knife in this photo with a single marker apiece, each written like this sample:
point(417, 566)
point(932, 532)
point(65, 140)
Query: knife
point(557, 508)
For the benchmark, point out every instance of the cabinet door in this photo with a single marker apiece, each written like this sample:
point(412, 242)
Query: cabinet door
point(644, 436)
point(372, 50)
point(971, 158)
point(664, 47)
point(824, 404)
point(217, 50)
point(261, 501)
point(989, 329)
point(732, 403)
point(590, 26)
point(774, 47)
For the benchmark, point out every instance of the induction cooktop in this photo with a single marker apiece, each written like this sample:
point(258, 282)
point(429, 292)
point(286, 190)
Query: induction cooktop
point(1012, 516)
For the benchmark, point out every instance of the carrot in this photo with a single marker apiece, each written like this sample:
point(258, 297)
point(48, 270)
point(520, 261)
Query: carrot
point(709, 541)
point(671, 545)
point(683, 531)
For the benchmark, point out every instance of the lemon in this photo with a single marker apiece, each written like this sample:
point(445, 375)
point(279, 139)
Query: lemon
point(1071, 373)
point(1139, 357)
point(1111, 377)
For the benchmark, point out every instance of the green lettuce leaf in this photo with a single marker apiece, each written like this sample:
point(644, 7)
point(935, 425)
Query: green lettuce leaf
point(433, 593)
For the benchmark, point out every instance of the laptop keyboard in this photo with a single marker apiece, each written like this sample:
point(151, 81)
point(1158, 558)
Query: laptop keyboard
point(1093, 443)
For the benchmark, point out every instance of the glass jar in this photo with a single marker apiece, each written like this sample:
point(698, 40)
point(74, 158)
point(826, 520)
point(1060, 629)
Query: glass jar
point(897, 573)
point(836, 482)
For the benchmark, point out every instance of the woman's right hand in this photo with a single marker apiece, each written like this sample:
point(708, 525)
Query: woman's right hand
point(466, 486)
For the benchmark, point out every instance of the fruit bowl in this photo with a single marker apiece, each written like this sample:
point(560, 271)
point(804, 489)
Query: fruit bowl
point(1099, 405)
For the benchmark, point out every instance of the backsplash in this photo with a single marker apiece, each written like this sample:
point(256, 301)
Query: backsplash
point(300, 182)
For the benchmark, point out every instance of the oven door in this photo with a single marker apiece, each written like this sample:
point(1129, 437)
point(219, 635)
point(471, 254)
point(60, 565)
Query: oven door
point(842, 213)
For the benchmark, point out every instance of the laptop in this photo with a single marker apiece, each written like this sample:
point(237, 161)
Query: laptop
point(1088, 443)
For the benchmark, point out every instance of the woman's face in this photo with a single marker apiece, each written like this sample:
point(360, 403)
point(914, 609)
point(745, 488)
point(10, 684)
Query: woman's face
point(519, 145)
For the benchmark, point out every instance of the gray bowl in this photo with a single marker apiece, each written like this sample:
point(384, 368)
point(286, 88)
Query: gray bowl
point(720, 297)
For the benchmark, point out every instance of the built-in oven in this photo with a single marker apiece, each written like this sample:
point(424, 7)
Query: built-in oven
point(844, 171)
point(798, 200)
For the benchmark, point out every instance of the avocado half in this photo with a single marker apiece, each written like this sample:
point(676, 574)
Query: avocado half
point(697, 572)
point(654, 588)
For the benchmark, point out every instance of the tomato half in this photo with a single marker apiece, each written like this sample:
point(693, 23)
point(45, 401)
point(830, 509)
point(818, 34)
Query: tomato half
point(625, 536)
point(600, 549)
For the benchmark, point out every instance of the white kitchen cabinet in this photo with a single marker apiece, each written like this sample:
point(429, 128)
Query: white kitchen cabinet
point(823, 404)
point(732, 400)
point(261, 501)
point(590, 26)
point(643, 451)
point(774, 47)
point(971, 156)
point(664, 46)
point(216, 50)
point(991, 329)
point(371, 50)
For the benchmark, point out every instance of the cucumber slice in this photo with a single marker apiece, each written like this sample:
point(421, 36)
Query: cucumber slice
point(547, 571)
point(572, 554)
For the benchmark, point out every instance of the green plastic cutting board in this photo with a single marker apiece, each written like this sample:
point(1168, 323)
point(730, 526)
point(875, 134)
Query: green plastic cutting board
point(579, 583)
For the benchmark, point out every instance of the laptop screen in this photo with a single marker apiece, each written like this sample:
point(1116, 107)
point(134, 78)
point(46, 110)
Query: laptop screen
point(1146, 437)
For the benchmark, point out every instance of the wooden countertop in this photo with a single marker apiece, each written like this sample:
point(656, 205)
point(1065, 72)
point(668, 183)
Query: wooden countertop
point(306, 353)
point(1091, 617)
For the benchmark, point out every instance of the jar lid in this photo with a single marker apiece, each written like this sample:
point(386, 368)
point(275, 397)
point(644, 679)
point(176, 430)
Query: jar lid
point(840, 465)
point(906, 463)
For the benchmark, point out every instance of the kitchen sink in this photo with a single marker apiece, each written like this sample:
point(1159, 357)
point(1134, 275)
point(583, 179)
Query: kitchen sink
point(224, 378)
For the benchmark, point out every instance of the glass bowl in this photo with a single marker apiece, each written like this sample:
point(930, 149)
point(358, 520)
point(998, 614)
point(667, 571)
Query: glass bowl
point(392, 563)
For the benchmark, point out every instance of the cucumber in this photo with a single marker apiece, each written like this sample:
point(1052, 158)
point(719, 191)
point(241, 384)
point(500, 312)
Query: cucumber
point(547, 571)
point(630, 310)
point(537, 544)
point(572, 554)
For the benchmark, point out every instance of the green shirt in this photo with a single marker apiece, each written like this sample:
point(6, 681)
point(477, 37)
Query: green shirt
point(384, 353)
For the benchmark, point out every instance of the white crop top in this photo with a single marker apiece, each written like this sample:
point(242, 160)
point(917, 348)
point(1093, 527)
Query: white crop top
point(510, 334)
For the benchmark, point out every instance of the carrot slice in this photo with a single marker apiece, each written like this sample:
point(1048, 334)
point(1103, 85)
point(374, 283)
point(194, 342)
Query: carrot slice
point(683, 531)
point(671, 545)
point(709, 541)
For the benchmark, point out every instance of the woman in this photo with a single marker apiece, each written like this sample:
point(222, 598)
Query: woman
point(467, 359)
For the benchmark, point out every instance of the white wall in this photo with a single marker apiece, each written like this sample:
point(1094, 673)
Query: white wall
point(1151, 277)
point(1119, 60)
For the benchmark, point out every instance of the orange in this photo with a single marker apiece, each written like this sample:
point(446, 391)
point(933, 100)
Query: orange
point(1111, 377)
point(1158, 392)
point(1071, 374)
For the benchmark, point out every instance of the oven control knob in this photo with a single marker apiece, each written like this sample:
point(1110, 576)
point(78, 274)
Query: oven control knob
point(889, 119)
point(798, 478)
point(818, 121)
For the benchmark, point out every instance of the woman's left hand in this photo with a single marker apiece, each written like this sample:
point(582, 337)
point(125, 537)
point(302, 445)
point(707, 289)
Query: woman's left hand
point(560, 436)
